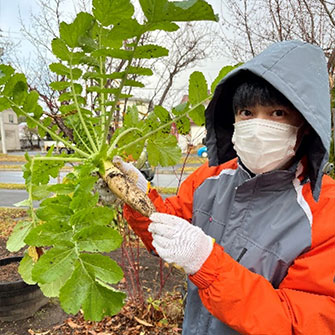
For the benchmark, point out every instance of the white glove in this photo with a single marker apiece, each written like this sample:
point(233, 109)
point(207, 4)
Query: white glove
point(132, 172)
point(179, 242)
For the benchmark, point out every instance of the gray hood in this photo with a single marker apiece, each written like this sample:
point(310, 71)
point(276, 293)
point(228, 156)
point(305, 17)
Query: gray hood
point(299, 71)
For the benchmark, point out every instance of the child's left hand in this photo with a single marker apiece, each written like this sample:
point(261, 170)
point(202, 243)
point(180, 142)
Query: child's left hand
point(179, 242)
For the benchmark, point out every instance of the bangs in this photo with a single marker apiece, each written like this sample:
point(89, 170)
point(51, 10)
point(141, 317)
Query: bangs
point(258, 92)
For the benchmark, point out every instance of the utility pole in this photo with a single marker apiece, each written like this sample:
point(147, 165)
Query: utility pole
point(3, 137)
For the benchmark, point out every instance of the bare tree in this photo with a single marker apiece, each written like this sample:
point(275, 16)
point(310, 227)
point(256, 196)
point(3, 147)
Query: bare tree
point(251, 25)
point(189, 45)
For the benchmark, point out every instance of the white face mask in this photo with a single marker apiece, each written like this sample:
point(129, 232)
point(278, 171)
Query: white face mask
point(264, 145)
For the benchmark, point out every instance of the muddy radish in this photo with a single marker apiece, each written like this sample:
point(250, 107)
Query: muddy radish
point(125, 189)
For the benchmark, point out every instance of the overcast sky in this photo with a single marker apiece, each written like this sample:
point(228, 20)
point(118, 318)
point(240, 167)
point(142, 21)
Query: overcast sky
point(10, 26)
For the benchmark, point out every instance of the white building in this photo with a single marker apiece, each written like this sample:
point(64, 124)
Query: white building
point(9, 131)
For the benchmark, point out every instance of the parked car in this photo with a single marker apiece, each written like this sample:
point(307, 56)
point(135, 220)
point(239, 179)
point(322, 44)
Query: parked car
point(59, 147)
point(202, 152)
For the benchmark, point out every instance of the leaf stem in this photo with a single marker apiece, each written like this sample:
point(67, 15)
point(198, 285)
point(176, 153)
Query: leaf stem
point(112, 147)
point(82, 141)
point(53, 134)
point(117, 95)
point(62, 159)
point(30, 194)
point(102, 94)
point(165, 124)
point(80, 113)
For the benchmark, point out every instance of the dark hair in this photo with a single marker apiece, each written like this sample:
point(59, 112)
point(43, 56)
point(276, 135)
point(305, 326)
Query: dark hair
point(257, 91)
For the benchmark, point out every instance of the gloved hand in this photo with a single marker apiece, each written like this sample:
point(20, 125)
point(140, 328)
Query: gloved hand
point(133, 173)
point(179, 242)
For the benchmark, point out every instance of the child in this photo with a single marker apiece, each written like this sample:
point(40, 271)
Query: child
point(260, 250)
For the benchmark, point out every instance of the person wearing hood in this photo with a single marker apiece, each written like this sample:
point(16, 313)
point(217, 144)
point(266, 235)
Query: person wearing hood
point(254, 228)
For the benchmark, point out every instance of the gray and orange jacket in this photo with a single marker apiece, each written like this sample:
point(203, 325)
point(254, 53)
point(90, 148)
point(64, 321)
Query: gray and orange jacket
point(272, 268)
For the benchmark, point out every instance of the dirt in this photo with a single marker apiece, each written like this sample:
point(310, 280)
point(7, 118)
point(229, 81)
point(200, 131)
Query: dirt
point(134, 319)
point(8, 273)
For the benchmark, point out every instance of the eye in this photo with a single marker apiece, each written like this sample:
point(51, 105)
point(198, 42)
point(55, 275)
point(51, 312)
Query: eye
point(279, 113)
point(244, 113)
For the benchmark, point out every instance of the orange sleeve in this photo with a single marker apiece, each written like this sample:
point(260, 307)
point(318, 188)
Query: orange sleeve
point(304, 303)
point(179, 205)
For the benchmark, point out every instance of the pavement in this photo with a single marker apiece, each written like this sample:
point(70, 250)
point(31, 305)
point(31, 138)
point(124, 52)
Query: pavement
point(164, 177)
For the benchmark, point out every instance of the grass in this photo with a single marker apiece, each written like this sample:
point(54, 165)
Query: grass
point(193, 160)
point(10, 167)
point(9, 186)
point(166, 190)
point(11, 158)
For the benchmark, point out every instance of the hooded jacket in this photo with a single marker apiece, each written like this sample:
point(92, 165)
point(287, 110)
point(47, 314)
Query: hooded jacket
point(271, 271)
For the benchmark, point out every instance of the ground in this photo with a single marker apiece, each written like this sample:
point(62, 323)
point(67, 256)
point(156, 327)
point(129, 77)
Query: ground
point(152, 316)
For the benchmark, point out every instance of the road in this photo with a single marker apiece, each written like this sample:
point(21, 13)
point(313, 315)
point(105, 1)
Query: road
point(9, 197)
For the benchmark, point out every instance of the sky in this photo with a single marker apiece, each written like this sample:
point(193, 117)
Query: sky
point(10, 26)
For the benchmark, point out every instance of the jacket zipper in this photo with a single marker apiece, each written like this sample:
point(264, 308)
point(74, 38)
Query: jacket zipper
point(244, 250)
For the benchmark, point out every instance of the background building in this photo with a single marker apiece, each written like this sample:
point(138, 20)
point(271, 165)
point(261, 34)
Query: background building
point(9, 130)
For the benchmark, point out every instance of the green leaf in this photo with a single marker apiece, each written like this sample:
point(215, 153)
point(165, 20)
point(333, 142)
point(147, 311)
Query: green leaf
point(101, 301)
point(5, 72)
point(71, 33)
point(150, 51)
point(163, 151)
point(16, 88)
point(125, 29)
point(25, 269)
point(82, 196)
point(96, 215)
point(131, 118)
point(76, 73)
point(165, 25)
point(62, 188)
point(183, 124)
point(59, 69)
point(113, 53)
point(223, 72)
point(52, 289)
point(96, 299)
point(53, 264)
point(60, 49)
point(102, 267)
point(97, 238)
point(31, 106)
point(4, 104)
point(142, 71)
point(133, 83)
point(109, 12)
point(60, 85)
point(191, 10)
point(197, 90)
point(40, 192)
point(23, 203)
point(16, 239)
point(158, 117)
point(198, 115)
point(50, 233)
point(42, 170)
point(73, 293)
point(56, 212)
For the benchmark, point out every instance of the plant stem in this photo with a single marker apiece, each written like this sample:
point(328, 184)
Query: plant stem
point(63, 159)
point(102, 94)
point(79, 112)
point(30, 195)
point(82, 141)
point(112, 147)
point(117, 95)
point(53, 134)
point(165, 124)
